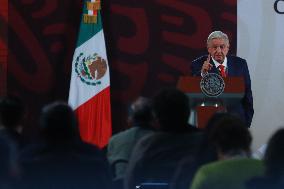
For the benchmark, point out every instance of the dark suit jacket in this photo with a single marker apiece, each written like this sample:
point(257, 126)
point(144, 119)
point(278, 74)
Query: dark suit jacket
point(156, 156)
point(236, 67)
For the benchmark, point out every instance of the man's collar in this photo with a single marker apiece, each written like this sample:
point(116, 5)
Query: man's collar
point(217, 63)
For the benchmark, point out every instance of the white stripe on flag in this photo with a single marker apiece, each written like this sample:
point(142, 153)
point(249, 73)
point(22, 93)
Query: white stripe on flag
point(79, 91)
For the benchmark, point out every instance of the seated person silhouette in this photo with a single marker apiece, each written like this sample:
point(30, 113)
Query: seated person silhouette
point(274, 164)
point(234, 167)
point(9, 167)
point(62, 160)
point(120, 146)
point(11, 115)
point(156, 155)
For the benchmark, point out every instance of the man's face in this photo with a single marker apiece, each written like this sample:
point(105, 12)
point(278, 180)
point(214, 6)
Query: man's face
point(218, 49)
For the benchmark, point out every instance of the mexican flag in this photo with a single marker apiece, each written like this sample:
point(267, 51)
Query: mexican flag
point(89, 93)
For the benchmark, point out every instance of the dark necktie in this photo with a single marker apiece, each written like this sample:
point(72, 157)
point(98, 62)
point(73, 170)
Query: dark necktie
point(222, 70)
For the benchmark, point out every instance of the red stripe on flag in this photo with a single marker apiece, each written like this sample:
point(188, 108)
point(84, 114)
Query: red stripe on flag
point(95, 12)
point(94, 117)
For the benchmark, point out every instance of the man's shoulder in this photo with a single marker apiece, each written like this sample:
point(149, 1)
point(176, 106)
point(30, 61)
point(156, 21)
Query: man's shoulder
point(128, 135)
point(200, 59)
point(235, 58)
point(227, 165)
point(123, 133)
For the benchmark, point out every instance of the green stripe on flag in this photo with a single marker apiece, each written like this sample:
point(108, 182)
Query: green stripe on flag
point(88, 30)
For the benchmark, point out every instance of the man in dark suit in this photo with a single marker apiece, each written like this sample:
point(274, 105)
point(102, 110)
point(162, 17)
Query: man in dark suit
point(217, 61)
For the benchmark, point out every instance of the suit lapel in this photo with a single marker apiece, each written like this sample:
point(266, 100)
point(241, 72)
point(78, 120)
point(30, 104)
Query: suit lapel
point(230, 67)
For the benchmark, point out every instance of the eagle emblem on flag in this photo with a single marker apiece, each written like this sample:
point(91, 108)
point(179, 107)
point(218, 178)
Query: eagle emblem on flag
point(90, 68)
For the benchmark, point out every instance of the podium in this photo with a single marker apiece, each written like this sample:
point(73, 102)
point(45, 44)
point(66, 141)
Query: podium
point(202, 106)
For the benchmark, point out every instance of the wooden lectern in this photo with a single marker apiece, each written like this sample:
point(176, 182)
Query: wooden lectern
point(204, 107)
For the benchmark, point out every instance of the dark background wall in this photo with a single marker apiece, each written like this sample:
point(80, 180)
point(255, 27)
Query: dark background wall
point(149, 45)
point(3, 46)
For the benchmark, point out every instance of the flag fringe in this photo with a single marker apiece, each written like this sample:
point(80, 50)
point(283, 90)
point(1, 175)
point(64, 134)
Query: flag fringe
point(94, 5)
point(90, 19)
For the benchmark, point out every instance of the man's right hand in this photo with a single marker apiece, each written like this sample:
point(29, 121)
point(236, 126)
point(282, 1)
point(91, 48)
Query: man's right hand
point(206, 66)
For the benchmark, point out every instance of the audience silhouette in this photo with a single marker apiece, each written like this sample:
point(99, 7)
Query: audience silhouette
point(9, 167)
point(62, 160)
point(160, 150)
point(121, 145)
point(207, 153)
point(156, 155)
point(11, 114)
point(234, 167)
point(273, 177)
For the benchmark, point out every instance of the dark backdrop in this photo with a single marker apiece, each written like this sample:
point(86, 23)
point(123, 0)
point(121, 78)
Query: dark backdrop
point(149, 44)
